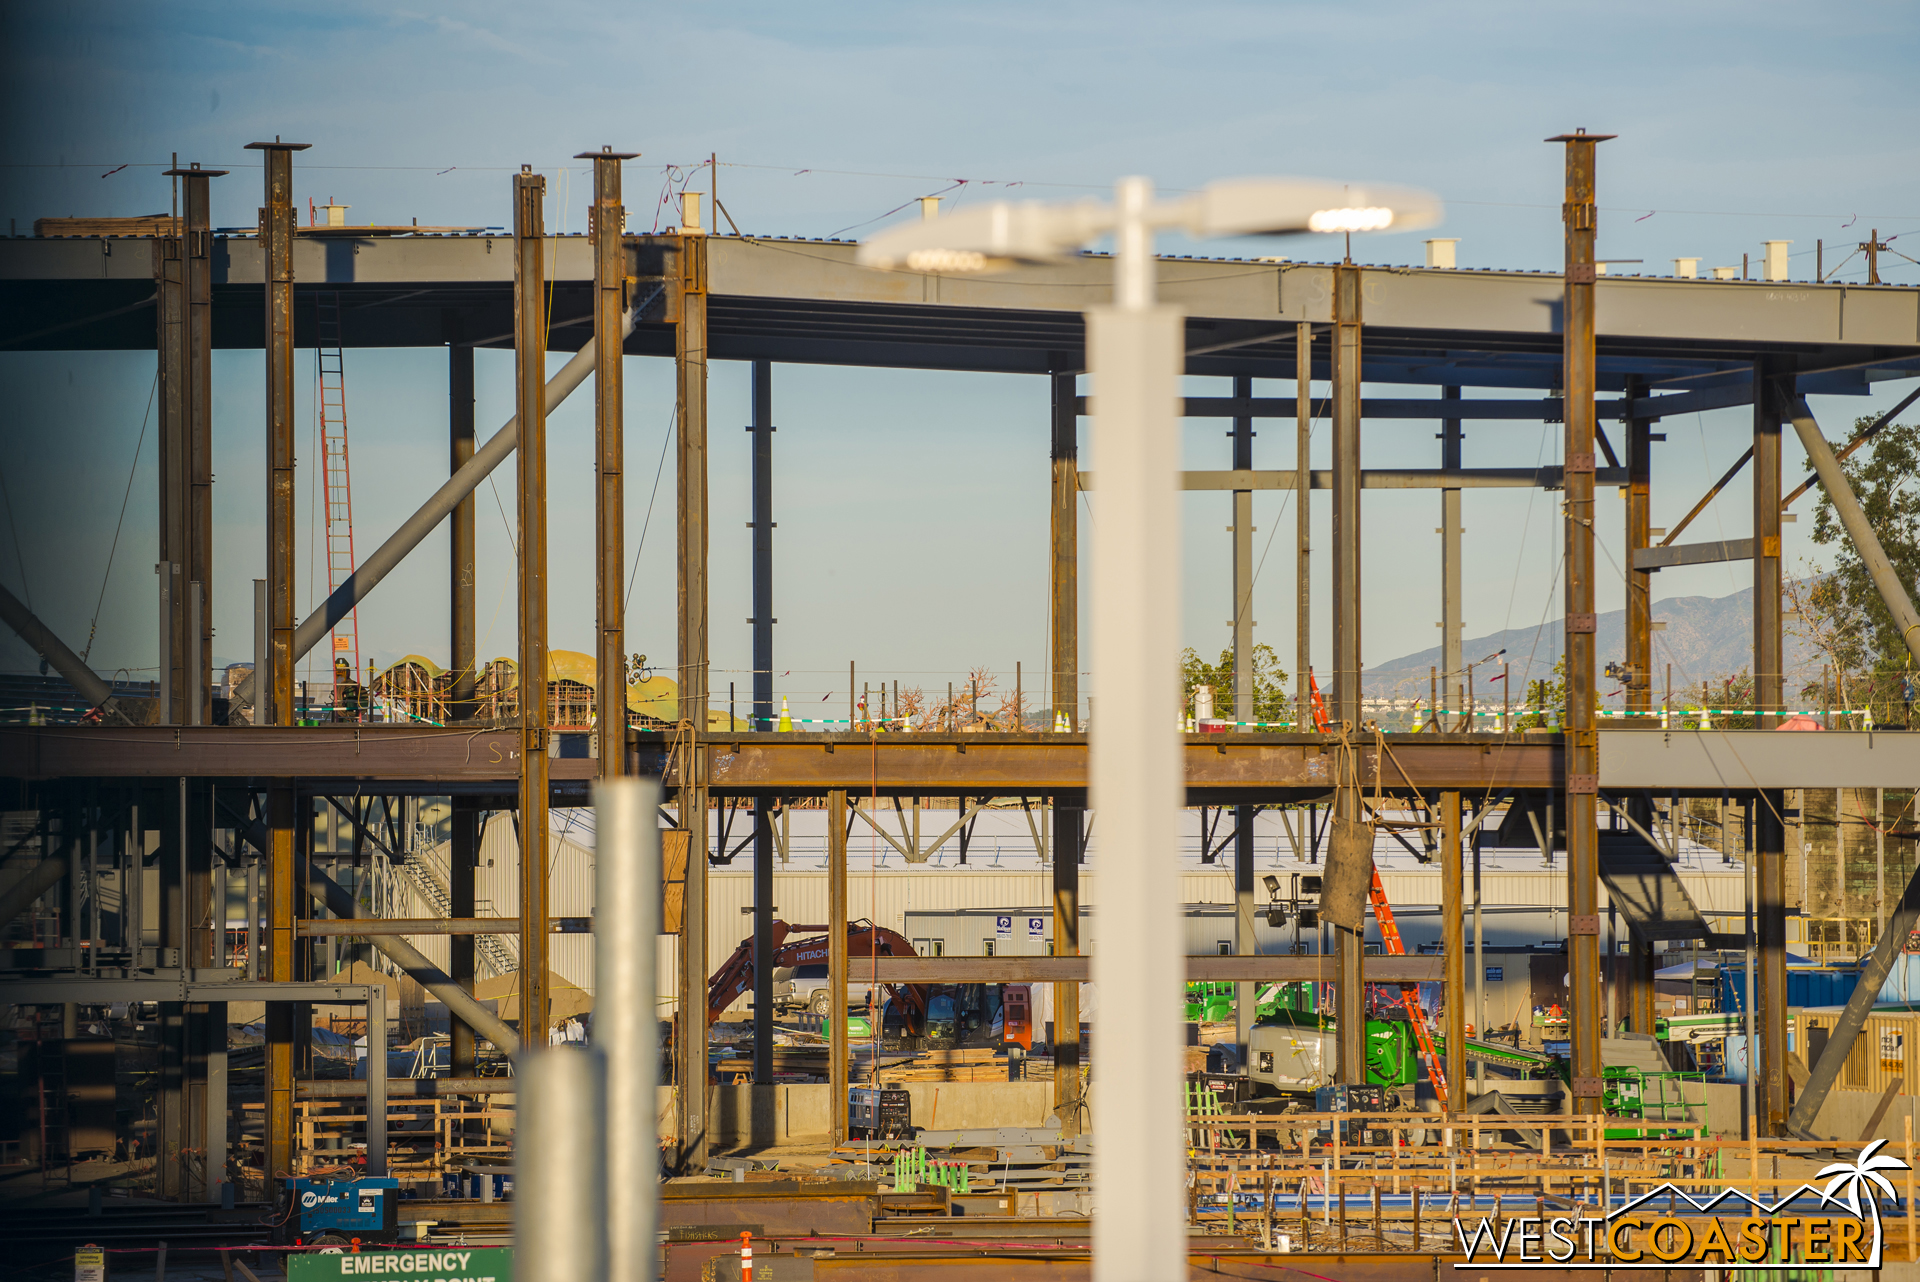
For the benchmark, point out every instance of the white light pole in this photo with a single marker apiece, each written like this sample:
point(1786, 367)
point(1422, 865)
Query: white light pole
point(1136, 355)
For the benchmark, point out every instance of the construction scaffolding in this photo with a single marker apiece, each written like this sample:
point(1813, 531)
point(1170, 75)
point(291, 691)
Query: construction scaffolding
point(174, 793)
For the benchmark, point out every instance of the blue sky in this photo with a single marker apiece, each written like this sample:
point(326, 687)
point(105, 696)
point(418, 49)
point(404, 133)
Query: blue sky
point(912, 507)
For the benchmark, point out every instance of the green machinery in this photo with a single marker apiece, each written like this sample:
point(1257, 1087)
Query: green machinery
point(1211, 1001)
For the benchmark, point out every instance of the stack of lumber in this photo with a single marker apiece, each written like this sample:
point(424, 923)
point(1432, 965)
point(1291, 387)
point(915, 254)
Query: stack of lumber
point(948, 1064)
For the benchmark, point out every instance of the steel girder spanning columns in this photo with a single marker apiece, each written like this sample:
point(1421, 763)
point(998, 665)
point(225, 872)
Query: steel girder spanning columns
point(687, 303)
point(1582, 734)
point(530, 353)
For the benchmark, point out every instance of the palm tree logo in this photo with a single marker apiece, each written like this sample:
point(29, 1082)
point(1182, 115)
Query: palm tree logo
point(1863, 1176)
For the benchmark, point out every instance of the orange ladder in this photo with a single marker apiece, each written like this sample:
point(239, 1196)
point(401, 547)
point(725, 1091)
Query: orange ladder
point(1409, 993)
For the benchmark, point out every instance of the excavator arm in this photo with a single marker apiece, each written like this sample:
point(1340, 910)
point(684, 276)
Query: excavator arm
point(864, 939)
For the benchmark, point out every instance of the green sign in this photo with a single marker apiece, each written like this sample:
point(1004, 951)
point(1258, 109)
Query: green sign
point(404, 1264)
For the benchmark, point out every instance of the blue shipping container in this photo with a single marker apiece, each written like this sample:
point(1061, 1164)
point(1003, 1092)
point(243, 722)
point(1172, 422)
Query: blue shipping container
point(1806, 986)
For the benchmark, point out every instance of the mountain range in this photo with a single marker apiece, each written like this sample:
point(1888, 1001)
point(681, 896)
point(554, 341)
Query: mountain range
point(1705, 639)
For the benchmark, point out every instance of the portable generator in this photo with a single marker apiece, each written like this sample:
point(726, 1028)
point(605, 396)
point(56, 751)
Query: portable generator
point(334, 1212)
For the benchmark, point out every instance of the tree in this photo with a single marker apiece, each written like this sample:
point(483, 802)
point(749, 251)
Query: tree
point(1271, 702)
point(1842, 612)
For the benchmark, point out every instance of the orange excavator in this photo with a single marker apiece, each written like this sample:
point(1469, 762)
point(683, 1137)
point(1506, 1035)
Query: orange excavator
point(864, 940)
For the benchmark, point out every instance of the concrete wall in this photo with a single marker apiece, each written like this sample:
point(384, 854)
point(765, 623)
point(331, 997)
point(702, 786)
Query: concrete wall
point(1842, 1117)
point(760, 1116)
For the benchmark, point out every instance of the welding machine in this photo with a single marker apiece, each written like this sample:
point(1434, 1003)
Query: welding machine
point(334, 1212)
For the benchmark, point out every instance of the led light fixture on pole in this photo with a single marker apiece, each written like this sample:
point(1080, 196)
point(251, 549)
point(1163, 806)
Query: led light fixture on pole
point(1135, 351)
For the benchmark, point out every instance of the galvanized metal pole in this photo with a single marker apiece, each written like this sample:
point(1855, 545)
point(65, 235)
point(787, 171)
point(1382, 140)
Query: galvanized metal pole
point(837, 964)
point(274, 694)
point(530, 319)
point(1582, 736)
point(1453, 693)
point(1453, 947)
point(626, 924)
point(1303, 525)
point(689, 301)
point(1350, 996)
point(560, 1195)
point(606, 226)
point(1136, 772)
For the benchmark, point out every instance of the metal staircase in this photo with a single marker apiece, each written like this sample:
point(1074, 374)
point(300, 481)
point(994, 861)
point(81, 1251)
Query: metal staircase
point(428, 876)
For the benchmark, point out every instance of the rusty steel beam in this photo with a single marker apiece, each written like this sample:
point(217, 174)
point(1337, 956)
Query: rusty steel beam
point(1772, 397)
point(1453, 947)
point(462, 582)
point(454, 926)
point(1069, 815)
point(1346, 711)
point(1639, 513)
point(273, 696)
point(530, 368)
point(1256, 968)
point(1582, 736)
point(606, 226)
point(747, 764)
point(1303, 523)
point(687, 304)
point(836, 967)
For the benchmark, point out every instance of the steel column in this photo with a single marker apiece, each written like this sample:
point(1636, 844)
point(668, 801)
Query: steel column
point(1582, 736)
point(462, 580)
point(1303, 525)
point(1244, 939)
point(763, 620)
point(1350, 988)
point(173, 393)
point(186, 453)
point(1453, 677)
point(1065, 542)
point(1069, 816)
point(1639, 509)
point(530, 379)
point(763, 907)
point(1069, 829)
point(273, 690)
point(688, 297)
point(606, 226)
point(463, 851)
point(1771, 394)
point(1453, 944)
point(836, 965)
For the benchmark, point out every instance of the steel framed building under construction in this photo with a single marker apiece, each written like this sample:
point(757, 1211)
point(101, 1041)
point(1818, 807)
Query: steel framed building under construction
point(155, 781)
